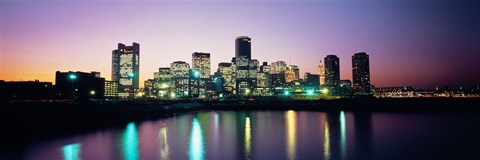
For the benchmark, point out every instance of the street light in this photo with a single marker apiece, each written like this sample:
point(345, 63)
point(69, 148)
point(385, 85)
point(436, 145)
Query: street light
point(72, 78)
point(310, 92)
point(325, 91)
point(286, 93)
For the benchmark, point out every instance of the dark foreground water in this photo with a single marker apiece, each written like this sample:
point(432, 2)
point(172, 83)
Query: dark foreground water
point(277, 135)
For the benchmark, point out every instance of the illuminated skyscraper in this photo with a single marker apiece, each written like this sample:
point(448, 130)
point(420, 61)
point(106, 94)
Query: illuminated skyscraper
point(243, 47)
point(361, 73)
point(180, 71)
point(292, 73)
point(289, 74)
point(296, 71)
point(246, 68)
point(332, 70)
point(201, 62)
point(278, 67)
point(125, 68)
point(162, 82)
point(263, 81)
point(226, 72)
point(321, 73)
point(246, 75)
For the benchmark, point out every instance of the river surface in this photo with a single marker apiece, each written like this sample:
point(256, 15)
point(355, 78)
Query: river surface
point(276, 135)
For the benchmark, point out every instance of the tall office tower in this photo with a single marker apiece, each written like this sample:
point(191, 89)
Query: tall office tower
point(125, 68)
point(246, 68)
point(278, 67)
point(361, 73)
point(243, 47)
point(289, 74)
point(265, 68)
point(321, 73)
point(263, 81)
point(162, 83)
point(296, 70)
point(180, 71)
point(226, 72)
point(246, 75)
point(332, 70)
point(201, 62)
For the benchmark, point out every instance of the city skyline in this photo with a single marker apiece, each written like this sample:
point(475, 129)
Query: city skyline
point(420, 58)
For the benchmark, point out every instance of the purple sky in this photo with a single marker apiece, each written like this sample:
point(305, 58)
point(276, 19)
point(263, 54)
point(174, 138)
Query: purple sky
point(418, 43)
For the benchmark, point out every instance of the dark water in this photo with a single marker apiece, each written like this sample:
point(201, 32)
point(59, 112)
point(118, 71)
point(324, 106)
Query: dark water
point(277, 135)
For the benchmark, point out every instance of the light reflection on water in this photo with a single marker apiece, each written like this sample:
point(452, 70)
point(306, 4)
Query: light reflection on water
point(267, 135)
point(130, 142)
point(248, 138)
point(196, 149)
point(163, 143)
point(291, 136)
point(343, 136)
point(71, 151)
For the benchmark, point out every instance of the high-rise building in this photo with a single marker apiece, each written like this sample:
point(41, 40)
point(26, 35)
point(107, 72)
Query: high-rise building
point(246, 75)
point(243, 47)
point(361, 73)
point(292, 73)
point(321, 73)
point(278, 67)
point(201, 62)
point(246, 68)
point(180, 71)
point(162, 83)
point(332, 70)
point(226, 72)
point(125, 68)
point(263, 81)
point(296, 70)
point(200, 73)
point(289, 74)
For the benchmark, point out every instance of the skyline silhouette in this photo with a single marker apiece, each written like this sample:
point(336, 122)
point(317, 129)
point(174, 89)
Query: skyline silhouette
point(420, 44)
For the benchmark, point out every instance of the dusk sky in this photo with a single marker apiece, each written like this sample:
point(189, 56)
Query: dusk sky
point(411, 43)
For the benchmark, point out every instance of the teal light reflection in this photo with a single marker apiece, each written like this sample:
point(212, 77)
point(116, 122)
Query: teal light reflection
point(71, 151)
point(130, 142)
point(343, 135)
point(196, 149)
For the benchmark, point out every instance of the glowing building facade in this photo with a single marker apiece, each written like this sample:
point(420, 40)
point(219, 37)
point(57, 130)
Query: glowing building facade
point(125, 68)
point(225, 71)
point(180, 78)
point(278, 67)
point(162, 82)
point(111, 89)
point(321, 73)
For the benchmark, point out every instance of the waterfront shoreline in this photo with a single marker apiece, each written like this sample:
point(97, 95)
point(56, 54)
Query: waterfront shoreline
point(33, 122)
